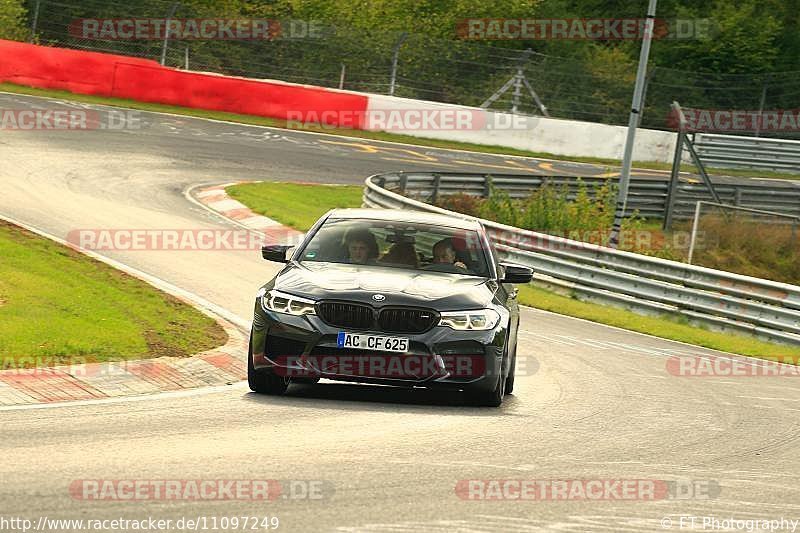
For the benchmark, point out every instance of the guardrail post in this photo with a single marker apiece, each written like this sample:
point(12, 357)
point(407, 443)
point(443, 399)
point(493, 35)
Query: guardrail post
point(403, 183)
point(436, 181)
point(672, 191)
point(487, 185)
point(737, 196)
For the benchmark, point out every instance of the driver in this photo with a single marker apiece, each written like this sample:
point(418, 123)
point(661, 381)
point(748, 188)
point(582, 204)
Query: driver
point(362, 248)
point(445, 253)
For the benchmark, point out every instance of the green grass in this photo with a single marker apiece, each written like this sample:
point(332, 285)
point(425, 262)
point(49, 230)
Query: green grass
point(295, 204)
point(664, 327)
point(299, 205)
point(58, 306)
point(372, 135)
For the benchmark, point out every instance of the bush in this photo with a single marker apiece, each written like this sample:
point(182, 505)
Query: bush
point(468, 204)
point(729, 242)
point(585, 216)
point(12, 20)
point(750, 247)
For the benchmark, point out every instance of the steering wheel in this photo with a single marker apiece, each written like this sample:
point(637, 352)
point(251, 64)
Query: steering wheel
point(446, 267)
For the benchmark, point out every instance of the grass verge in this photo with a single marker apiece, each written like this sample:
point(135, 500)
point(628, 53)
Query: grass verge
point(299, 205)
point(664, 327)
point(372, 135)
point(58, 306)
point(295, 204)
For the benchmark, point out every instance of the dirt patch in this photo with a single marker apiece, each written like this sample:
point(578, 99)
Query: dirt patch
point(157, 347)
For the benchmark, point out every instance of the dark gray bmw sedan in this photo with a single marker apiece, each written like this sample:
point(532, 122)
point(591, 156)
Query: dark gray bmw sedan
point(389, 297)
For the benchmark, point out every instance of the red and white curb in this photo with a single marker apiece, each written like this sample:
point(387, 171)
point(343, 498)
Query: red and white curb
point(101, 381)
point(220, 366)
point(217, 200)
point(97, 381)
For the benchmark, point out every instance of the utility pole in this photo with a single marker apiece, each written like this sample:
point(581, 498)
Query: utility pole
point(395, 58)
point(633, 122)
point(35, 22)
point(761, 109)
point(170, 14)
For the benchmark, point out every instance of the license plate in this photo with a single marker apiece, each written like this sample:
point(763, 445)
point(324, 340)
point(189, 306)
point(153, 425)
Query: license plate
point(371, 342)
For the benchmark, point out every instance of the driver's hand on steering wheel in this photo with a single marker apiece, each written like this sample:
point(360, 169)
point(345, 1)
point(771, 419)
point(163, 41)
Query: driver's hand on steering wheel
point(459, 264)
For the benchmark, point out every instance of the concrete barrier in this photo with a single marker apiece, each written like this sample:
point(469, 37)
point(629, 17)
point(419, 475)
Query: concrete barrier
point(145, 80)
point(537, 134)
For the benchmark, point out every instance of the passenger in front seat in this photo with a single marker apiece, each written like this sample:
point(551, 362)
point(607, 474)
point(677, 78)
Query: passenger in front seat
point(445, 253)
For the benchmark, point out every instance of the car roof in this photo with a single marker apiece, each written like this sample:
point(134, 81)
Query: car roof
point(402, 215)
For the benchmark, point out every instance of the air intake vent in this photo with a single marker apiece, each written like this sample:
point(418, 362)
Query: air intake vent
point(407, 320)
point(346, 315)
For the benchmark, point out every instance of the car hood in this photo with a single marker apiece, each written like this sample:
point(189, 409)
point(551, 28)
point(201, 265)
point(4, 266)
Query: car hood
point(441, 291)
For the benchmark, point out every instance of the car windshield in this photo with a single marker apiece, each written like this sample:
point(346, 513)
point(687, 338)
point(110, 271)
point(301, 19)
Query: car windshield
point(396, 244)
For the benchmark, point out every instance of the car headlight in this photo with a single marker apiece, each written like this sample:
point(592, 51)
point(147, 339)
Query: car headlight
point(480, 319)
point(280, 302)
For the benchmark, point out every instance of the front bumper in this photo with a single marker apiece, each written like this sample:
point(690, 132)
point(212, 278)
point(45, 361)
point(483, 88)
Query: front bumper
point(306, 347)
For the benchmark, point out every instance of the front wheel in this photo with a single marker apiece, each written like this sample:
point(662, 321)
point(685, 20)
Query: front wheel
point(492, 398)
point(264, 381)
point(511, 373)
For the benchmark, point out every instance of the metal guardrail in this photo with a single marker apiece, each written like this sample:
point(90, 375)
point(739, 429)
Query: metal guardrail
point(734, 151)
point(649, 285)
point(647, 196)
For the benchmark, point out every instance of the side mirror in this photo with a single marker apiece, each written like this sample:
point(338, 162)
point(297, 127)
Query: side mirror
point(276, 252)
point(516, 273)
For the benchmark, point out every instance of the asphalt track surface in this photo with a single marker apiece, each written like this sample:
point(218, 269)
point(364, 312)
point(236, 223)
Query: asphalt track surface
point(593, 403)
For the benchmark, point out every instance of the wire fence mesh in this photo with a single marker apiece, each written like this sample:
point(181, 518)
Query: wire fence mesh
point(750, 242)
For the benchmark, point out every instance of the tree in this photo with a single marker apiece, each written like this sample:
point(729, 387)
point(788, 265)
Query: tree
point(12, 20)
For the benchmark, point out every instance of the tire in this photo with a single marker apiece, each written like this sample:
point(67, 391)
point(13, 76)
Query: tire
point(264, 381)
point(511, 373)
point(492, 398)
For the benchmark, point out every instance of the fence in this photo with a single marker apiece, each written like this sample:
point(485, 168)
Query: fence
point(643, 284)
point(755, 214)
